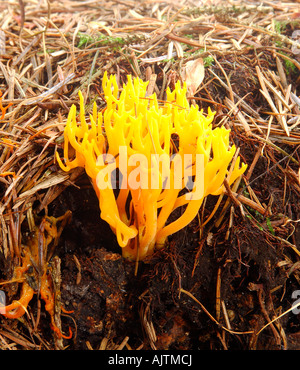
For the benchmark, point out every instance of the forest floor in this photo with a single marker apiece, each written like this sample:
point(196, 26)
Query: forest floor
point(230, 284)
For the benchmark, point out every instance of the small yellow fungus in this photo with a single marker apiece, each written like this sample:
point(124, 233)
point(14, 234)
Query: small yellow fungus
point(3, 109)
point(145, 159)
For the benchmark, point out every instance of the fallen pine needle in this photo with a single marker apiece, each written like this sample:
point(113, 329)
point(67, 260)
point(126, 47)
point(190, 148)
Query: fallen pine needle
point(211, 316)
point(278, 317)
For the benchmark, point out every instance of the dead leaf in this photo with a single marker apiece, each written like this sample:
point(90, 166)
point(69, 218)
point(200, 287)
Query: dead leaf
point(193, 75)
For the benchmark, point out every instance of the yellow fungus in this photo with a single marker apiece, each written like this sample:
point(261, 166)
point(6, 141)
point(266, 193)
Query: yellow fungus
point(143, 156)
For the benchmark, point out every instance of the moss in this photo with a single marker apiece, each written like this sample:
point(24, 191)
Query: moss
point(102, 39)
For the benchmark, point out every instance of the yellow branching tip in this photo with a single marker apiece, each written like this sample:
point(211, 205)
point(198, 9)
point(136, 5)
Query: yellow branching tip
point(146, 159)
point(3, 109)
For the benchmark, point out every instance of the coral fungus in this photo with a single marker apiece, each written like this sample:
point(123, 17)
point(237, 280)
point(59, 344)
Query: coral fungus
point(34, 272)
point(3, 109)
point(145, 159)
